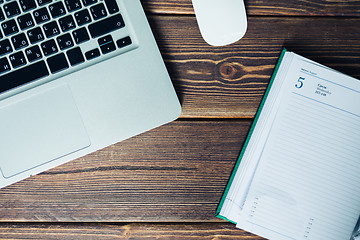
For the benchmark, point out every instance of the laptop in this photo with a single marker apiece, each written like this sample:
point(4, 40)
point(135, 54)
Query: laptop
point(76, 76)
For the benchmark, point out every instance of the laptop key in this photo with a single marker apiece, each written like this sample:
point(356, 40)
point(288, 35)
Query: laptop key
point(67, 23)
point(9, 27)
point(123, 42)
point(57, 9)
point(51, 29)
point(5, 47)
point(27, 5)
point(11, 9)
point(92, 54)
point(19, 41)
point(4, 65)
point(65, 41)
point(89, 2)
point(49, 47)
point(82, 17)
point(98, 11)
point(35, 35)
point(112, 6)
point(81, 35)
point(43, 2)
point(23, 75)
point(17, 59)
point(41, 15)
point(106, 44)
point(72, 5)
point(2, 16)
point(33, 53)
point(75, 56)
point(107, 25)
point(25, 21)
point(57, 63)
point(105, 40)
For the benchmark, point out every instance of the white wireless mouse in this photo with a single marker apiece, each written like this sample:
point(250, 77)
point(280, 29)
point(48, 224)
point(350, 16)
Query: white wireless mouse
point(221, 22)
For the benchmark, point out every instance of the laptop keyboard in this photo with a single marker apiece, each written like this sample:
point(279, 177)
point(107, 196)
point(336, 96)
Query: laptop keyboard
point(51, 38)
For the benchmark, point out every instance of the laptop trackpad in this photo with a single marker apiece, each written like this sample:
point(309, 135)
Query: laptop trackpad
point(39, 129)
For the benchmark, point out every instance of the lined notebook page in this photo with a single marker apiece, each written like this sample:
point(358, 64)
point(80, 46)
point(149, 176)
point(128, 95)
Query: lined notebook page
point(234, 200)
point(307, 182)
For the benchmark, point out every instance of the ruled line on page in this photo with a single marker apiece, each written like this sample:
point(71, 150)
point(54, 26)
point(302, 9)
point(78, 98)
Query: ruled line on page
point(327, 104)
point(326, 136)
point(326, 80)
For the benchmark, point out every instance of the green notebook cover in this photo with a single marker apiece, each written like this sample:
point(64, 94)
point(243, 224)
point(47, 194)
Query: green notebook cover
point(248, 138)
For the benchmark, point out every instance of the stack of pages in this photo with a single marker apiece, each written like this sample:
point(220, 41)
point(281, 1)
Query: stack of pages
point(298, 175)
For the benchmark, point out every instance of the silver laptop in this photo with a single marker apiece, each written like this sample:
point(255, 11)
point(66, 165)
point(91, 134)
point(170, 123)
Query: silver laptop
point(75, 76)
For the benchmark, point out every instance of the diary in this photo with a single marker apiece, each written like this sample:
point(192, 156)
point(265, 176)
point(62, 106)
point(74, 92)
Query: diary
point(298, 174)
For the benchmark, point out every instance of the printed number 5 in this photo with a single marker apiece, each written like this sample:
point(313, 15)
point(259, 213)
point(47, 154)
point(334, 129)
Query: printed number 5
point(300, 82)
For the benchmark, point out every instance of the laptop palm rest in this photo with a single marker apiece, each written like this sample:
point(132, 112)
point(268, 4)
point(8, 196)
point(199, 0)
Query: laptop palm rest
point(39, 129)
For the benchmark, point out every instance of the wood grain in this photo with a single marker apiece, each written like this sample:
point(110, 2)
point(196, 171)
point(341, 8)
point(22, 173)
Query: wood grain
point(173, 231)
point(175, 173)
point(349, 8)
point(169, 180)
point(229, 82)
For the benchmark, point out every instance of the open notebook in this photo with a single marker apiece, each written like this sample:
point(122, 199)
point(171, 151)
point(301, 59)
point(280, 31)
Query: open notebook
point(298, 175)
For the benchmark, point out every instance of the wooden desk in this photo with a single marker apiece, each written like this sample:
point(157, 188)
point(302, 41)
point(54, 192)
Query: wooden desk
point(166, 183)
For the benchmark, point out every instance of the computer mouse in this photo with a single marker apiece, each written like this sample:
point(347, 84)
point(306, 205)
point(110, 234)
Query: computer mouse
point(221, 22)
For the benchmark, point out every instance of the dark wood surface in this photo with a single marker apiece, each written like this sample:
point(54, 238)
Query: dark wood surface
point(166, 183)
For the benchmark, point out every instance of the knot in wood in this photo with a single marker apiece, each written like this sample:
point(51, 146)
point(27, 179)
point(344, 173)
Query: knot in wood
point(227, 70)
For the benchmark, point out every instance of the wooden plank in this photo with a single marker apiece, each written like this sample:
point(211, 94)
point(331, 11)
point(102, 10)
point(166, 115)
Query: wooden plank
point(174, 231)
point(175, 173)
point(230, 81)
point(267, 8)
